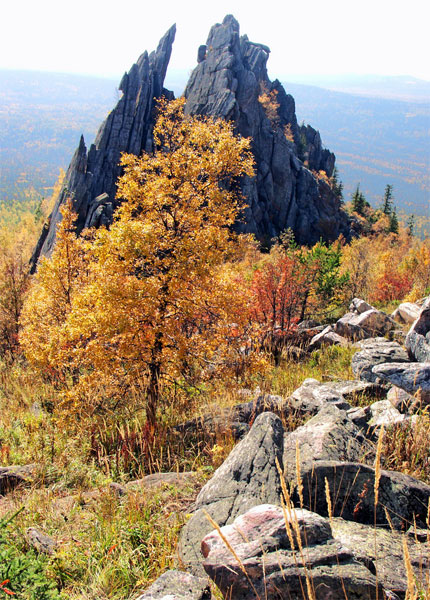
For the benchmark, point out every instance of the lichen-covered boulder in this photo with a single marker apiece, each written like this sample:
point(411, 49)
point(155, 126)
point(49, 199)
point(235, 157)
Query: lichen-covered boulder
point(247, 478)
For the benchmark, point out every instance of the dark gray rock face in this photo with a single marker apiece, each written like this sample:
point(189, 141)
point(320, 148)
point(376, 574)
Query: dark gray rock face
point(352, 493)
point(228, 82)
point(91, 177)
point(177, 585)
point(276, 569)
point(247, 478)
point(376, 351)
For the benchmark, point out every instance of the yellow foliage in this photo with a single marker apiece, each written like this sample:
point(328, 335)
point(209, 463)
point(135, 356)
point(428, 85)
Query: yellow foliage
point(269, 102)
point(148, 301)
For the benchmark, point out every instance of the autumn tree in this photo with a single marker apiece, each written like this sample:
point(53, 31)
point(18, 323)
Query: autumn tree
point(51, 299)
point(156, 306)
point(293, 283)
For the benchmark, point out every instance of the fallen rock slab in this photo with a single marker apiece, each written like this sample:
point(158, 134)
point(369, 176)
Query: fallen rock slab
point(266, 561)
point(414, 378)
point(247, 478)
point(373, 352)
point(177, 585)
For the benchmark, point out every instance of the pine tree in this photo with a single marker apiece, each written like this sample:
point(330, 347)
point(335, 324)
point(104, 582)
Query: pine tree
point(411, 225)
point(337, 185)
point(394, 222)
point(387, 206)
point(359, 202)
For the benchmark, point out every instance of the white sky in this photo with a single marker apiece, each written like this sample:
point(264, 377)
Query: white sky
point(102, 37)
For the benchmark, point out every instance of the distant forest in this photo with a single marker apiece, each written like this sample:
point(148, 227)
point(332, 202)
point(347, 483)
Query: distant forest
point(377, 141)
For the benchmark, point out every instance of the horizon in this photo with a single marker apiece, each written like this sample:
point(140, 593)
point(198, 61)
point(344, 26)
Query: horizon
point(96, 41)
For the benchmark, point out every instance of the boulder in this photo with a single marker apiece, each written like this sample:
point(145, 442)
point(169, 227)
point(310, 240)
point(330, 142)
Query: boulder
point(384, 548)
point(407, 312)
point(359, 306)
point(313, 395)
point(384, 413)
point(247, 478)
point(177, 585)
point(404, 402)
point(418, 337)
point(374, 352)
point(41, 542)
point(329, 435)
point(364, 325)
point(414, 378)
point(351, 485)
point(327, 337)
point(263, 559)
point(14, 476)
point(235, 419)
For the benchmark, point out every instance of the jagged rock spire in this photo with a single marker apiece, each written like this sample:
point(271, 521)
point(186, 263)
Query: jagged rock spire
point(230, 81)
point(91, 177)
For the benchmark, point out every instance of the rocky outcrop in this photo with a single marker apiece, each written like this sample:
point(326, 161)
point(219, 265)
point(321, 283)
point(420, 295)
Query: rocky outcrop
point(384, 548)
point(231, 81)
point(376, 351)
point(92, 175)
point(330, 435)
point(414, 378)
point(247, 478)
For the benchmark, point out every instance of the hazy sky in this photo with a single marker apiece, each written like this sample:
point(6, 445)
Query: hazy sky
point(101, 37)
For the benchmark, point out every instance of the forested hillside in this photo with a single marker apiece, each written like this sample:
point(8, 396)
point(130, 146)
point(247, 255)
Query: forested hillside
point(42, 116)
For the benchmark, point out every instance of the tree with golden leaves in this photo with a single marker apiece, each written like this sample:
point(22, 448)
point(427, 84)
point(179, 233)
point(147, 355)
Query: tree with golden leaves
point(157, 305)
